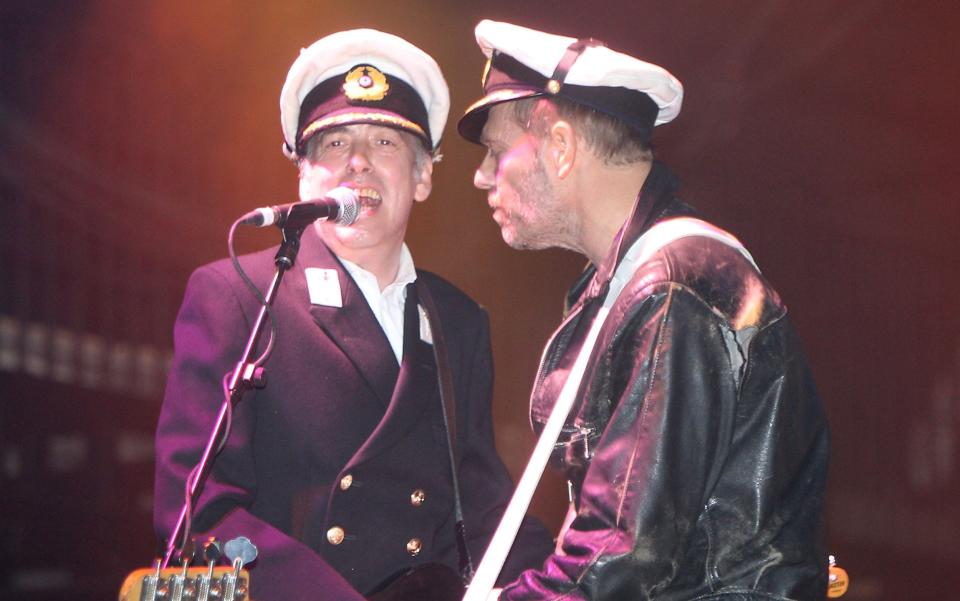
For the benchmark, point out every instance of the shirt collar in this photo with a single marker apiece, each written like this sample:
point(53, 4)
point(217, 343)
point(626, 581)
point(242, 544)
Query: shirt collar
point(406, 271)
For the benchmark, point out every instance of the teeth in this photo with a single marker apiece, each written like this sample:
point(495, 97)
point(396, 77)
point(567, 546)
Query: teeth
point(369, 193)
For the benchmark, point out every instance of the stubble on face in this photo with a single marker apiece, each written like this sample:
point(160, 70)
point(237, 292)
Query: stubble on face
point(526, 222)
point(530, 213)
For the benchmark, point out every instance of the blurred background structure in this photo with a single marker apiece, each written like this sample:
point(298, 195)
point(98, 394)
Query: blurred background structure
point(133, 133)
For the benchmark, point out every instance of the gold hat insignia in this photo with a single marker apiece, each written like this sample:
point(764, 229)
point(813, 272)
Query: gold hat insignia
point(365, 83)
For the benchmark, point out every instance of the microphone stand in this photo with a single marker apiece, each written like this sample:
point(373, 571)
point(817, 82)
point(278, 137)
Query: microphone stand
point(246, 375)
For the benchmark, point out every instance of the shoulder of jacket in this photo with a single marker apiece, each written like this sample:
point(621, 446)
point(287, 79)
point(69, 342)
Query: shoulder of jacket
point(713, 273)
point(446, 293)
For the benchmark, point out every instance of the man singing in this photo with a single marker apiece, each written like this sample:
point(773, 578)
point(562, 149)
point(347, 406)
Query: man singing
point(340, 469)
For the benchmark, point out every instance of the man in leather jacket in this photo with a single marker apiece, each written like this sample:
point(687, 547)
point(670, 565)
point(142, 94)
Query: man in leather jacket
point(697, 447)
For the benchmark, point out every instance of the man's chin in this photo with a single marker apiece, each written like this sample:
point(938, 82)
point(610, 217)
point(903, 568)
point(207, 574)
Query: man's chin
point(342, 235)
point(526, 243)
point(509, 238)
point(516, 242)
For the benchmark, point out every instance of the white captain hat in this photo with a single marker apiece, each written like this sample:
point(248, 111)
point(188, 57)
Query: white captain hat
point(526, 63)
point(363, 76)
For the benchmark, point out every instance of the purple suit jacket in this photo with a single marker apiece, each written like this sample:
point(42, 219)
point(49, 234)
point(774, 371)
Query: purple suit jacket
point(336, 405)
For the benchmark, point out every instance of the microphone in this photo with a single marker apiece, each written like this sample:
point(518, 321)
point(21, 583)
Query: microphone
point(340, 205)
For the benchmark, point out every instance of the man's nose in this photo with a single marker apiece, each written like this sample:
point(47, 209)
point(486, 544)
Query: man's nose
point(359, 159)
point(483, 176)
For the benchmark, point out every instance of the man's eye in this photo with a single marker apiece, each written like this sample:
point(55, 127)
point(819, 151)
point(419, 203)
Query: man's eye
point(385, 142)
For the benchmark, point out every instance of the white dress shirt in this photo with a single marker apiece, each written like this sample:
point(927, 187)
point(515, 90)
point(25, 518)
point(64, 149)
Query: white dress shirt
point(387, 305)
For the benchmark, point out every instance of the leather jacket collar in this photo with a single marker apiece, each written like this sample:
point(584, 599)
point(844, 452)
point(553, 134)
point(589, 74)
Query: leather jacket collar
point(655, 201)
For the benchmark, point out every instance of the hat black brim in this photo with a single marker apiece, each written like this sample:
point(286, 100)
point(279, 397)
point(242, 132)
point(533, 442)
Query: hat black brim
point(471, 125)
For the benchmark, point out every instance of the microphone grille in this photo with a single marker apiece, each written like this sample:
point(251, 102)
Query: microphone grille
point(349, 204)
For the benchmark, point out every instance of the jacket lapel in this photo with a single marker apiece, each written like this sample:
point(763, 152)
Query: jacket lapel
point(352, 327)
point(416, 390)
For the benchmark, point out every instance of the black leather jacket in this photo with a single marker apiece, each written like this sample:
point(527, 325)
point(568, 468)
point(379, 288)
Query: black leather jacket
point(697, 450)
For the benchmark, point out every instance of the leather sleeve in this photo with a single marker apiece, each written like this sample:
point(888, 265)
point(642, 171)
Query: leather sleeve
point(209, 335)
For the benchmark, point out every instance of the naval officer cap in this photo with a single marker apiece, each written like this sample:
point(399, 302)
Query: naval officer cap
point(362, 76)
point(525, 63)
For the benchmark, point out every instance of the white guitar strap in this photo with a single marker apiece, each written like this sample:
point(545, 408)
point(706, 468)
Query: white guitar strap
point(643, 248)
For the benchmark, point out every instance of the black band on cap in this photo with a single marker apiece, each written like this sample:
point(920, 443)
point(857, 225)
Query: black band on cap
point(399, 99)
point(509, 79)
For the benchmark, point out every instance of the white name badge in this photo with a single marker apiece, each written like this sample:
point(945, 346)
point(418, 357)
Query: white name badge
point(324, 287)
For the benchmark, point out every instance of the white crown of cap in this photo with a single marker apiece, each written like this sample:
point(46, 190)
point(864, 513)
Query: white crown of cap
point(596, 66)
point(336, 53)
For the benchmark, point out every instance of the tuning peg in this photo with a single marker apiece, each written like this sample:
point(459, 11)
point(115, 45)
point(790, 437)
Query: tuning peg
point(240, 549)
point(241, 552)
point(187, 551)
point(212, 550)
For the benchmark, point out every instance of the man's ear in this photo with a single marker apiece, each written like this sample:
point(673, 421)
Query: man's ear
point(424, 181)
point(562, 147)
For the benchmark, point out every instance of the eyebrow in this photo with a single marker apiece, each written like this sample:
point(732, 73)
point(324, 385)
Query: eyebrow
point(336, 129)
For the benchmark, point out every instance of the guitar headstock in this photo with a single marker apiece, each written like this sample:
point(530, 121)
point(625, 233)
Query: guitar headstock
point(222, 583)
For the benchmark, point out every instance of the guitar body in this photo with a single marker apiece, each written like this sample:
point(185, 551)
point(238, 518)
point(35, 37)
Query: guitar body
point(429, 582)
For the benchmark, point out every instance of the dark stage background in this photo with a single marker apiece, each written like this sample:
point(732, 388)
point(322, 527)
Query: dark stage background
point(824, 134)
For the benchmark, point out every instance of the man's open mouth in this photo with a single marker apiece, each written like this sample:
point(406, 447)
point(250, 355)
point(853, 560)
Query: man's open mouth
point(369, 197)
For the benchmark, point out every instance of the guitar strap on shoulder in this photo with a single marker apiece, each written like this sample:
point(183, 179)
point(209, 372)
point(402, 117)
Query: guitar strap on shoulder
point(639, 252)
point(448, 407)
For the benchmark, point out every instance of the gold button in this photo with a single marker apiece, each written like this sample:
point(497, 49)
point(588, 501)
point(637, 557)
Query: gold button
point(346, 482)
point(413, 546)
point(335, 535)
point(417, 497)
